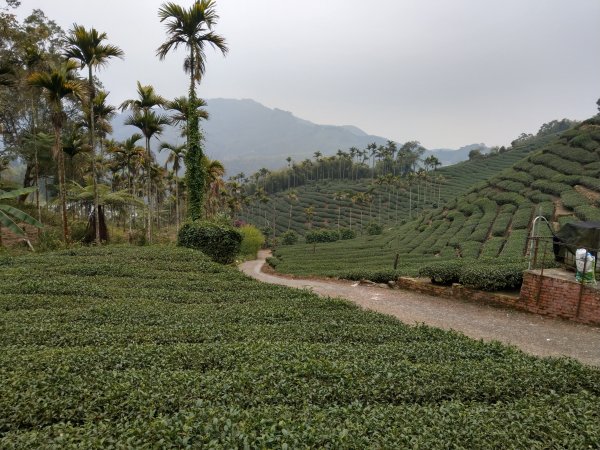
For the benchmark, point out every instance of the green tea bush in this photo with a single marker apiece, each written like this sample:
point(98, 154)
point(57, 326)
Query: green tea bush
point(503, 198)
point(320, 236)
point(347, 233)
point(470, 249)
point(476, 274)
point(252, 240)
point(289, 237)
point(501, 223)
point(571, 180)
point(374, 229)
point(273, 261)
point(510, 185)
point(514, 175)
point(538, 197)
point(219, 241)
point(590, 183)
point(493, 276)
point(445, 273)
point(588, 213)
point(376, 276)
point(571, 153)
point(542, 172)
point(572, 199)
point(550, 187)
point(557, 163)
point(584, 141)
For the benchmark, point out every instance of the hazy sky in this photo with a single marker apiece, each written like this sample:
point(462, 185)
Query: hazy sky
point(444, 72)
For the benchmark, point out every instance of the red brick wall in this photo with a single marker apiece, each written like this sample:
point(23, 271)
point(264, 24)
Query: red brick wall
point(557, 297)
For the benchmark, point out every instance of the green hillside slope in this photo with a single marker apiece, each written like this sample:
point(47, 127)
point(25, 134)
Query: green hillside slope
point(492, 219)
point(390, 206)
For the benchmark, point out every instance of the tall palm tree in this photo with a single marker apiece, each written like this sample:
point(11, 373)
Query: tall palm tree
point(129, 152)
point(192, 28)
point(176, 155)
point(150, 124)
point(181, 106)
point(292, 197)
point(339, 197)
point(86, 46)
point(214, 184)
point(58, 83)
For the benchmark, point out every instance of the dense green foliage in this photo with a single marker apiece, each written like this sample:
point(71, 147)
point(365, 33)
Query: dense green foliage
point(133, 347)
point(315, 236)
point(289, 237)
point(252, 240)
point(219, 241)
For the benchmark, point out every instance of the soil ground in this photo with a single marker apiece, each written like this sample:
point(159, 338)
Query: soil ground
point(537, 335)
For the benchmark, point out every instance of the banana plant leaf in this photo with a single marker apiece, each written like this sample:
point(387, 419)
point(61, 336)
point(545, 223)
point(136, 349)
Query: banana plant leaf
point(4, 195)
point(9, 215)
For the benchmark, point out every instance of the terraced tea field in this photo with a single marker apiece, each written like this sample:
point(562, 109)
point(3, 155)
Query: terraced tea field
point(491, 220)
point(390, 206)
point(159, 347)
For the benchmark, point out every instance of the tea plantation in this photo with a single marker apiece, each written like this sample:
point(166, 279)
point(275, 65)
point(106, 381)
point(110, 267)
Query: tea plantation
point(389, 205)
point(157, 347)
point(491, 220)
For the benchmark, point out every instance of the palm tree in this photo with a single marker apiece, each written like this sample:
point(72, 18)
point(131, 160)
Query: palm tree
point(338, 197)
point(192, 28)
point(214, 184)
point(57, 83)
point(292, 197)
point(176, 155)
point(130, 151)
point(84, 194)
point(150, 124)
point(181, 106)
point(86, 47)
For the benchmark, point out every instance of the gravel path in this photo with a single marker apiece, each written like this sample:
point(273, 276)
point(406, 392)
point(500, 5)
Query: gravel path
point(534, 334)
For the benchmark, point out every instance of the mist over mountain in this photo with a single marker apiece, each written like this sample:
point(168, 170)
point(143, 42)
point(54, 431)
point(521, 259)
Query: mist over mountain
point(246, 136)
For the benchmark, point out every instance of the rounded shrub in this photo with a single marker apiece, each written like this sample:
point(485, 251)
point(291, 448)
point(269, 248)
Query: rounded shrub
point(347, 233)
point(318, 236)
point(445, 272)
point(289, 237)
point(374, 229)
point(219, 241)
point(252, 240)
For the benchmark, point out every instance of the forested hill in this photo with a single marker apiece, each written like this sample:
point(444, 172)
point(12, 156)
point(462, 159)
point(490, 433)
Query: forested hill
point(247, 136)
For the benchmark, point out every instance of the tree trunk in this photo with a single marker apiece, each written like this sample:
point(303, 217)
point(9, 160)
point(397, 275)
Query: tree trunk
point(61, 183)
point(148, 192)
point(93, 149)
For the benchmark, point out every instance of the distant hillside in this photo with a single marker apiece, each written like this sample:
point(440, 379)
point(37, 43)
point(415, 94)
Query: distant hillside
point(246, 136)
point(492, 219)
point(390, 205)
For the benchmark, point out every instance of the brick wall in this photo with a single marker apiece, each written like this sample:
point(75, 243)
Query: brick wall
point(555, 294)
point(561, 296)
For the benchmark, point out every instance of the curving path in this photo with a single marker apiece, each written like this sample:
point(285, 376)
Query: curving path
point(533, 334)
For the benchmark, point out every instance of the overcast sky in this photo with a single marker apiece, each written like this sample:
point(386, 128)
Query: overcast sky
point(444, 72)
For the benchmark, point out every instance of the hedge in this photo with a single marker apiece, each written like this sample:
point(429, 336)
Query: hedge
point(220, 242)
point(476, 274)
point(320, 236)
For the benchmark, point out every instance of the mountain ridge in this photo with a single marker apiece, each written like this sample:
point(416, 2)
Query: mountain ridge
point(246, 135)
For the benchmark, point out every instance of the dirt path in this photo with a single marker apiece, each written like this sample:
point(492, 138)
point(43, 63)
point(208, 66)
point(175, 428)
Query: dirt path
point(533, 334)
